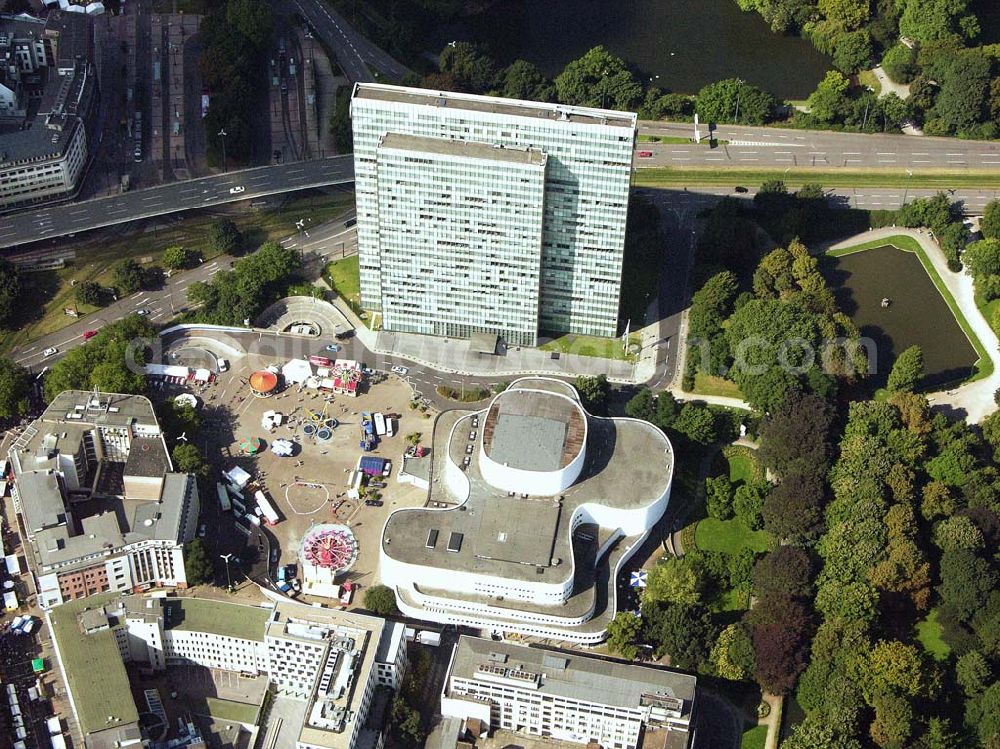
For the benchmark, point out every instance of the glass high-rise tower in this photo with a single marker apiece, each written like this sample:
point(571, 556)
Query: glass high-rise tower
point(482, 214)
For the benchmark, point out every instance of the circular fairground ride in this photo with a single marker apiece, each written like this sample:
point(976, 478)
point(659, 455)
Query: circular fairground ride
point(328, 551)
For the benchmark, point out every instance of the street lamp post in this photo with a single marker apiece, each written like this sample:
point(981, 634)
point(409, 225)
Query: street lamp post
point(229, 580)
point(222, 134)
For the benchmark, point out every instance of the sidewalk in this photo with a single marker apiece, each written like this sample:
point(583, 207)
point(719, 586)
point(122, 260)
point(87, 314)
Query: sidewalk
point(975, 399)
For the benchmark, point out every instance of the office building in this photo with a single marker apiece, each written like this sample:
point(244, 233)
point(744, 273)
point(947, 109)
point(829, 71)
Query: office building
point(48, 97)
point(101, 506)
point(567, 696)
point(449, 191)
point(332, 660)
point(534, 507)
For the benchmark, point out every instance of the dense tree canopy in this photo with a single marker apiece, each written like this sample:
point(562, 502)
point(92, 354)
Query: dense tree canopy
point(598, 79)
point(10, 290)
point(15, 388)
point(734, 101)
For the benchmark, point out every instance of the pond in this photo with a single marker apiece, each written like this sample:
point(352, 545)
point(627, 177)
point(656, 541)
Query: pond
point(917, 314)
point(681, 44)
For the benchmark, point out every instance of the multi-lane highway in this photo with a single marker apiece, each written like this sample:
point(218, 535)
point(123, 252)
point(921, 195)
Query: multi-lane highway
point(354, 53)
point(768, 147)
point(204, 192)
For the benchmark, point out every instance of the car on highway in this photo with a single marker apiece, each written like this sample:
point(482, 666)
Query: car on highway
point(88, 334)
point(644, 154)
point(202, 530)
point(344, 335)
point(741, 189)
point(51, 351)
point(333, 347)
point(142, 312)
point(401, 371)
point(237, 190)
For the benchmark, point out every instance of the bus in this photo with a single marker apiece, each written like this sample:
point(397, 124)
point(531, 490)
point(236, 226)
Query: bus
point(270, 516)
point(224, 504)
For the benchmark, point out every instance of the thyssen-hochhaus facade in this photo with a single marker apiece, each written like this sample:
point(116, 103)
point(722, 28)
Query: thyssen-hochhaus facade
point(482, 214)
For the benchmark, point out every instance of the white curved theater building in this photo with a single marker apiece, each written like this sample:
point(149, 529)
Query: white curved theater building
point(534, 507)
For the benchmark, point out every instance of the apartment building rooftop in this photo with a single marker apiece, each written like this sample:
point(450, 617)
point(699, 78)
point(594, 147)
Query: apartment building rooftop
point(495, 105)
point(571, 675)
point(216, 617)
point(466, 149)
point(92, 665)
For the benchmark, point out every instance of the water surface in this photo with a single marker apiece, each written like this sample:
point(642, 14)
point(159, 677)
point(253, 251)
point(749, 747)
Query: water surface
point(687, 43)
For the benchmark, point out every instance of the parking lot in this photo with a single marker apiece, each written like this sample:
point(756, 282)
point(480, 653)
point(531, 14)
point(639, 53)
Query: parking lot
point(311, 485)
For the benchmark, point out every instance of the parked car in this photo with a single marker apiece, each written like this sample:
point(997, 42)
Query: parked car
point(333, 347)
point(374, 502)
point(274, 556)
point(237, 190)
point(88, 334)
point(377, 484)
point(644, 154)
point(202, 530)
point(401, 371)
point(142, 312)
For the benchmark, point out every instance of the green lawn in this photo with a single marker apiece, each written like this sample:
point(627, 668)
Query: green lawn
point(227, 710)
point(868, 78)
point(345, 279)
point(984, 365)
point(929, 636)
point(742, 464)
point(218, 617)
point(589, 345)
point(729, 536)
point(730, 599)
point(798, 176)
point(705, 384)
point(754, 738)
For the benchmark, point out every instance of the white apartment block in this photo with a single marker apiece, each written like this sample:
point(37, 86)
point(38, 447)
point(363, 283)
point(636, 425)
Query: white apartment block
point(587, 173)
point(432, 195)
point(568, 696)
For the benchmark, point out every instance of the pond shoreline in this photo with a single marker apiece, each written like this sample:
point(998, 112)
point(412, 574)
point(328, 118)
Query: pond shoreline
point(973, 399)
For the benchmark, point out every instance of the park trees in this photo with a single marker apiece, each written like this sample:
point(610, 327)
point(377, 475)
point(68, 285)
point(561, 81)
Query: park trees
point(197, 564)
point(224, 237)
point(989, 225)
point(929, 20)
point(624, 633)
point(684, 632)
point(786, 571)
point(598, 79)
point(522, 80)
point(907, 370)
point(92, 293)
point(594, 393)
point(128, 275)
point(734, 100)
point(472, 69)
point(732, 656)
point(10, 290)
point(188, 459)
point(676, 580)
point(177, 257)
point(380, 600)
point(829, 99)
point(112, 361)
point(15, 387)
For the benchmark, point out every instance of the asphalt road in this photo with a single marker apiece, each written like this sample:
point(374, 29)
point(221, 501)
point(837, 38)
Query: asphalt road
point(355, 54)
point(760, 147)
point(203, 192)
point(684, 201)
point(160, 306)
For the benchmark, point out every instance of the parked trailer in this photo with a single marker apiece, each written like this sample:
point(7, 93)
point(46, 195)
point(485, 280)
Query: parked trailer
point(379, 424)
point(224, 504)
point(270, 516)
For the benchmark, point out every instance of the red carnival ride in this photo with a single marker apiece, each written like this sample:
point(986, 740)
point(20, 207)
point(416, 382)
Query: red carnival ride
point(330, 548)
